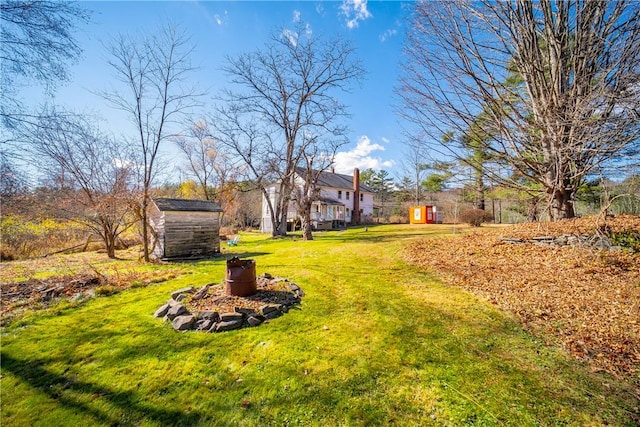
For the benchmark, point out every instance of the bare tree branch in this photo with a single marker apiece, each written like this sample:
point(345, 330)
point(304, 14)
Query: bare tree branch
point(154, 73)
point(285, 101)
point(559, 83)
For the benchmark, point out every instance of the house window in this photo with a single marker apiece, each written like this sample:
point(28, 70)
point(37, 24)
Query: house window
point(361, 197)
point(339, 194)
point(347, 195)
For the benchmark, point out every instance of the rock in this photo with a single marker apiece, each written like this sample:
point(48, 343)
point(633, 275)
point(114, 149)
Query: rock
point(511, 240)
point(272, 315)
point(245, 311)
point(293, 287)
point(573, 240)
point(202, 292)
point(289, 295)
point(295, 290)
point(204, 324)
point(183, 323)
point(231, 317)
point(270, 308)
point(208, 315)
point(602, 243)
point(542, 238)
point(48, 294)
point(255, 320)
point(228, 326)
point(188, 290)
point(162, 311)
point(175, 311)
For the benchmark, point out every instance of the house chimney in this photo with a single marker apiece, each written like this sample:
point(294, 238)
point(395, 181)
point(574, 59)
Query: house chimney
point(355, 214)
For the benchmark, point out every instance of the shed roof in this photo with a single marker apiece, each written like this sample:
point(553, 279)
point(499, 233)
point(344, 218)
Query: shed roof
point(165, 204)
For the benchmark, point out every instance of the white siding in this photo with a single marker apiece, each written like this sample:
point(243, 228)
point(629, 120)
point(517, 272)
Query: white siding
point(329, 212)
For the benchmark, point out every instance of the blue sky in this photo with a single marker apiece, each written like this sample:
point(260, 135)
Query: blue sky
point(219, 28)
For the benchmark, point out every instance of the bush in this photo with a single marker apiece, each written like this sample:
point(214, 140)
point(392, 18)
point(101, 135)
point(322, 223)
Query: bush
point(226, 232)
point(475, 217)
point(22, 238)
point(627, 239)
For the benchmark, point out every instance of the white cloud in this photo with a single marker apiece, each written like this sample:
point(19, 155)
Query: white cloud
point(291, 36)
point(296, 16)
point(220, 19)
point(360, 157)
point(355, 11)
point(387, 34)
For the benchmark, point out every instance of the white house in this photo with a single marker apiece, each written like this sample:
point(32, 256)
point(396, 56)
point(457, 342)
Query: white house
point(341, 200)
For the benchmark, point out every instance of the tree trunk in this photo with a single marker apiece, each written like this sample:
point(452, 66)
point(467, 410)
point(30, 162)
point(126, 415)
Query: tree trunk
point(479, 202)
point(562, 205)
point(108, 238)
point(306, 225)
point(145, 228)
point(110, 244)
point(532, 210)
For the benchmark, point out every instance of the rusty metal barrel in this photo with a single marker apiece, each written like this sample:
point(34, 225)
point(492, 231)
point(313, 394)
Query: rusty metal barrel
point(241, 277)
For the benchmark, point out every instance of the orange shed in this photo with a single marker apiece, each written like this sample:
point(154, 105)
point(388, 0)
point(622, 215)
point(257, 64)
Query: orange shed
point(424, 215)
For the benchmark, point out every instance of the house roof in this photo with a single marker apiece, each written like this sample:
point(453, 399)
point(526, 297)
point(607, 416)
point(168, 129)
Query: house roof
point(336, 180)
point(165, 204)
point(329, 201)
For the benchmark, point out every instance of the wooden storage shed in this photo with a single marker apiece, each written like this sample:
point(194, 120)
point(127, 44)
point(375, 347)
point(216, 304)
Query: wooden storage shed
point(184, 228)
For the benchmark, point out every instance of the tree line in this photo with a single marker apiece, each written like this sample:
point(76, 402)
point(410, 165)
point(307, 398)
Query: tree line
point(533, 99)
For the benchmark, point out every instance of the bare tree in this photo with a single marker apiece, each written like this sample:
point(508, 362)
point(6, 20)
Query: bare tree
point(208, 164)
point(284, 102)
point(317, 156)
point(413, 167)
point(154, 73)
point(36, 45)
point(96, 170)
point(558, 81)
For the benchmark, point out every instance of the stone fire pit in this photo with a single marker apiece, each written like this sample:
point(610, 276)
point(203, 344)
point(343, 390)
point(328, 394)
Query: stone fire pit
point(211, 309)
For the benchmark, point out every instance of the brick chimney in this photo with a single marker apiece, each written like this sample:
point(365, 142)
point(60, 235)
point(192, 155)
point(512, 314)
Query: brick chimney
point(355, 214)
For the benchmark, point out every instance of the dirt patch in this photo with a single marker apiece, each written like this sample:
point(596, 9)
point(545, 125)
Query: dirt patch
point(34, 294)
point(585, 299)
point(269, 291)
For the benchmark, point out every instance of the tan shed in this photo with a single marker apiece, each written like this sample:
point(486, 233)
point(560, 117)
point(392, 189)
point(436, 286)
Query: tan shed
point(184, 228)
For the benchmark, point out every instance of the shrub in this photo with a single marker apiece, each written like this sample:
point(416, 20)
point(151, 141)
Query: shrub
point(627, 239)
point(22, 238)
point(475, 217)
point(227, 231)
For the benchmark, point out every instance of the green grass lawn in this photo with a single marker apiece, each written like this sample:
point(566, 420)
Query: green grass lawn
point(374, 342)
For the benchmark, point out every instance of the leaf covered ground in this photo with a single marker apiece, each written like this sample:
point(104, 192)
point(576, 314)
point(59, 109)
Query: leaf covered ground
point(585, 299)
point(38, 284)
